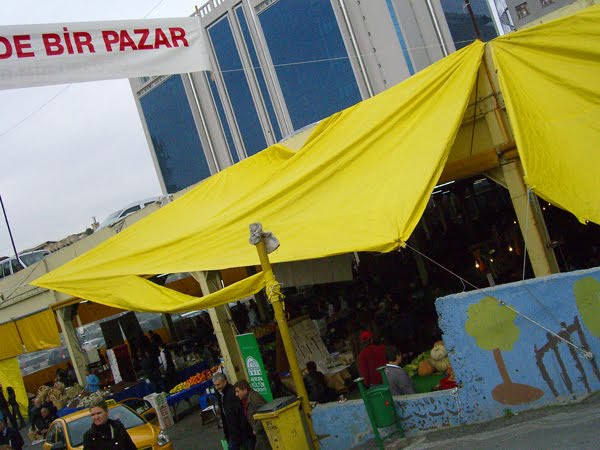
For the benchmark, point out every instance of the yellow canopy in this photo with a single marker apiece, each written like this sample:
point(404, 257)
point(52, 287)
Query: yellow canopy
point(10, 375)
point(363, 178)
point(550, 79)
point(360, 182)
point(30, 333)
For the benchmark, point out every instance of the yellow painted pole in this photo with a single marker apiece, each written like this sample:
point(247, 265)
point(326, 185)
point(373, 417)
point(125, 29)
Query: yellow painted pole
point(274, 295)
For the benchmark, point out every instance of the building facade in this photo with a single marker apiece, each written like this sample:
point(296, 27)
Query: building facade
point(524, 12)
point(281, 65)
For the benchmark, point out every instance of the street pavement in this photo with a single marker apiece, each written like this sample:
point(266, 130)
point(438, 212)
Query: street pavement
point(572, 426)
point(191, 433)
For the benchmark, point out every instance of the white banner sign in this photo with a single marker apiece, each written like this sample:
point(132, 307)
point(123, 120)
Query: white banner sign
point(36, 55)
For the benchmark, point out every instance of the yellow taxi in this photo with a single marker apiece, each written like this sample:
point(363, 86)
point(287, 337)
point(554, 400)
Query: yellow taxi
point(66, 433)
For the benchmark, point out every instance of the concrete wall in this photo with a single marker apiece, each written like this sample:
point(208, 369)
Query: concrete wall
point(481, 335)
point(347, 424)
point(540, 370)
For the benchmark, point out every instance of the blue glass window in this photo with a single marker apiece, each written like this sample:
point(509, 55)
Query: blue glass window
point(174, 135)
point(258, 72)
point(460, 23)
point(222, 117)
point(237, 86)
point(312, 65)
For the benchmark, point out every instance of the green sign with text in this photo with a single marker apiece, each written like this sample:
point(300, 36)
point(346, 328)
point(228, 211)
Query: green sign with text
point(254, 365)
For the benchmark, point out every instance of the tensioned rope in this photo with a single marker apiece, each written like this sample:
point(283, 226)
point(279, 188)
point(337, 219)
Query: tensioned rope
point(584, 352)
point(296, 63)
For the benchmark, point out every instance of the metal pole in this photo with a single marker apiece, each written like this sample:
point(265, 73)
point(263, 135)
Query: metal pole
point(9, 232)
point(274, 296)
point(470, 9)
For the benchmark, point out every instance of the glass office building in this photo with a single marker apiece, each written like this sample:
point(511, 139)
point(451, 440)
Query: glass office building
point(461, 25)
point(281, 65)
point(173, 133)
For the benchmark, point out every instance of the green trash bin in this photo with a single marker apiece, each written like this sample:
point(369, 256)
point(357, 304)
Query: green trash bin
point(381, 408)
point(381, 405)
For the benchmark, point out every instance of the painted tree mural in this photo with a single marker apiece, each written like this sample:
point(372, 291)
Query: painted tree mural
point(587, 297)
point(492, 325)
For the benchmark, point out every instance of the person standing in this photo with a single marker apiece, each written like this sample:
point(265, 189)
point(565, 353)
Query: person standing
point(237, 430)
point(106, 433)
point(92, 382)
point(167, 367)
point(10, 437)
point(399, 381)
point(370, 358)
point(251, 402)
point(150, 365)
point(155, 342)
point(14, 406)
point(5, 410)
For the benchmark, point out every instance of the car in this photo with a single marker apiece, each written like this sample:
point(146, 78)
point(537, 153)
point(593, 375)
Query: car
point(141, 407)
point(127, 210)
point(66, 433)
point(58, 355)
point(30, 363)
point(10, 266)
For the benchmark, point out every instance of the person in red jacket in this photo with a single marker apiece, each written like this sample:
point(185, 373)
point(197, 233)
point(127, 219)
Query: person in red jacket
point(370, 358)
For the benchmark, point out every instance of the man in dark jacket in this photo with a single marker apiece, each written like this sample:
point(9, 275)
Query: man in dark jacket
point(5, 410)
point(43, 422)
point(151, 367)
point(106, 433)
point(238, 432)
point(251, 402)
point(316, 387)
point(167, 367)
point(10, 436)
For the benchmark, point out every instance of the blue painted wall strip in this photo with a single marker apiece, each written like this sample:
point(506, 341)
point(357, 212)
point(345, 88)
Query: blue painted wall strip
point(409, 63)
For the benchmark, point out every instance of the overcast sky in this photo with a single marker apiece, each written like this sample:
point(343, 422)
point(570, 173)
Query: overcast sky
point(84, 153)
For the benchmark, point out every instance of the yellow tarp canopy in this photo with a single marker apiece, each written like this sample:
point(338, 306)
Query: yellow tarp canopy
point(36, 332)
point(39, 331)
point(363, 178)
point(360, 182)
point(550, 78)
point(10, 375)
point(11, 341)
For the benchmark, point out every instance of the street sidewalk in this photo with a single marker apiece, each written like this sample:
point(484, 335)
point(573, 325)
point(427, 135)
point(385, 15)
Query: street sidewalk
point(573, 426)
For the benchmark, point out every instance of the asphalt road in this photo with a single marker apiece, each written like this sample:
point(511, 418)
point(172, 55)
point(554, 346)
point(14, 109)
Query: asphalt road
point(190, 433)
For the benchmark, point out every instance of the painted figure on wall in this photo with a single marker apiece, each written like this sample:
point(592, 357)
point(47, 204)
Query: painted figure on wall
point(587, 297)
point(492, 325)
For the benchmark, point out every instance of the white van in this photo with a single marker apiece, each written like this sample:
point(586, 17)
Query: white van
point(11, 265)
point(127, 210)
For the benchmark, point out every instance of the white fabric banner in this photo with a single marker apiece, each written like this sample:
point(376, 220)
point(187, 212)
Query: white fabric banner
point(36, 55)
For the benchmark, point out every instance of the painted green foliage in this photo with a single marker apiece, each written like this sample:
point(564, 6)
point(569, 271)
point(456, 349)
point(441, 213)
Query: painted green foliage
point(492, 325)
point(587, 297)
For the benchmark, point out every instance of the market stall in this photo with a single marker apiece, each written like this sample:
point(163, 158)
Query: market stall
point(191, 393)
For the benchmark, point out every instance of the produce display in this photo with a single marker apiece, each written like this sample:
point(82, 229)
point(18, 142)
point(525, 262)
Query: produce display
point(58, 395)
point(413, 368)
point(262, 330)
point(198, 378)
point(85, 401)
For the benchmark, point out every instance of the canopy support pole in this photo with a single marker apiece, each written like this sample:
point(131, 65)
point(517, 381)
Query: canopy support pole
point(275, 297)
point(535, 235)
point(224, 330)
point(78, 358)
